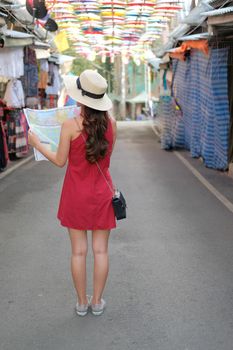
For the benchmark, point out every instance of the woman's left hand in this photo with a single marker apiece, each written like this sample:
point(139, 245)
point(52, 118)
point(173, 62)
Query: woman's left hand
point(33, 139)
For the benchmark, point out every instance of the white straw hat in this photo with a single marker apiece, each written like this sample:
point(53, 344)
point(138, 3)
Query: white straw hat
point(88, 89)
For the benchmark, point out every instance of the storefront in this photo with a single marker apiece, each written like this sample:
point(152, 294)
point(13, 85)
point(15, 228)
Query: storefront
point(196, 113)
point(15, 88)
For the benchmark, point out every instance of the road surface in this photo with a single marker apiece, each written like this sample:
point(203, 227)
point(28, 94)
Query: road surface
point(170, 285)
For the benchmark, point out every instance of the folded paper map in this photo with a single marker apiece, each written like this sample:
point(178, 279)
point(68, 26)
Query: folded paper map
point(46, 124)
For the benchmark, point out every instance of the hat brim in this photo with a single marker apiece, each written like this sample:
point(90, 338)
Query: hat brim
point(101, 104)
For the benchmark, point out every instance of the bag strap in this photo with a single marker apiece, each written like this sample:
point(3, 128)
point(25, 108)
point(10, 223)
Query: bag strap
point(107, 182)
point(97, 164)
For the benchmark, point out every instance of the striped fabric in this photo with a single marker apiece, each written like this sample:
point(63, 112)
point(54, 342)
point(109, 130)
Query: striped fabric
point(172, 122)
point(178, 131)
point(201, 88)
point(165, 111)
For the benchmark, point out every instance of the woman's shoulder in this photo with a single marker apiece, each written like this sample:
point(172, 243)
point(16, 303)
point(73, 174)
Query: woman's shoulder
point(71, 127)
point(68, 125)
point(71, 123)
point(68, 122)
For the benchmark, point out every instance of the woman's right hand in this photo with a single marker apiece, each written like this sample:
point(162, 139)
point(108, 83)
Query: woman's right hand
point(33, 139)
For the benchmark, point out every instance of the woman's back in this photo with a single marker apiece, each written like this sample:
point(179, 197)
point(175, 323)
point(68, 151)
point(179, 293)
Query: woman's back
point(86, 197)
point(77, 154)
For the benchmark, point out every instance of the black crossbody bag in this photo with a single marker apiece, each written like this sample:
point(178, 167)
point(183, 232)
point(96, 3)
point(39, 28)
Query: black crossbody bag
point(118, 200)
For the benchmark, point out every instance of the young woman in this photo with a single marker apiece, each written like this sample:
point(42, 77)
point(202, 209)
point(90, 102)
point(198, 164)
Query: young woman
point(87, 142)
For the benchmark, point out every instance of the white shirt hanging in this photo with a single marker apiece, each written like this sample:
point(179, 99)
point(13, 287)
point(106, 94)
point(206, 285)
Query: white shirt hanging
point(11, 62)
point(14, 95)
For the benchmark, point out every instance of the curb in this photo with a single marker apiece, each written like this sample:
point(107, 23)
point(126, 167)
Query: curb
point(229, 173)
point(16, 166)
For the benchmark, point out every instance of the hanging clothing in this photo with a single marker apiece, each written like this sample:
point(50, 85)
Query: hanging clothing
point(54, 84)
point(51, 101)
point(42, 98)
point(30, 78)
point(44, 65)
point(1, 111)
point(3, 85)
point(44, 69)
point(14, 95)
point(32, 102)
point(3, 148)
point(43, 81)
point(21, 146)
point(11, 135)
point(16, 127)
point(30, 56)
point(11, 62)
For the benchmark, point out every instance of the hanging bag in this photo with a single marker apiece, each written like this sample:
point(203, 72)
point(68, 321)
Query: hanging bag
point(118, 200)
point(119, 205)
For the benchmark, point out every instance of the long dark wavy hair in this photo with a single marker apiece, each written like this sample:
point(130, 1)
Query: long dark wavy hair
point(95, 124)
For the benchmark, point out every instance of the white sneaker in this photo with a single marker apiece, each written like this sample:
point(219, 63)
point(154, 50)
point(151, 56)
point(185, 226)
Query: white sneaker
point(98, 309)
point(82, 309)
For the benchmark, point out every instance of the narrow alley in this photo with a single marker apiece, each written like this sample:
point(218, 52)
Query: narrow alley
point(170, 285)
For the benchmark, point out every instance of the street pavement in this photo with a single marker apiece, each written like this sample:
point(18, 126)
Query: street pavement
point(170, 285)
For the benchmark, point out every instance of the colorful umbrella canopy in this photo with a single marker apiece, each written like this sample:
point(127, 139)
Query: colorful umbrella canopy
point(109, 27)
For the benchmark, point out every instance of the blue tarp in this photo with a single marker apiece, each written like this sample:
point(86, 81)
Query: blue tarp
point(172, 135)
point(200, 87)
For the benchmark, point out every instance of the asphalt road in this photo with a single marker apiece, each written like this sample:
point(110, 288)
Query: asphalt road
point(170, 285)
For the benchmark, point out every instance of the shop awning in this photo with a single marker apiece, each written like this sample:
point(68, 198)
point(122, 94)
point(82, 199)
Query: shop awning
point(13, 38)
point(12, 42)
point(41, 45)
point(194, 37)
point(15, 34)
point(179, 52)
point(222, 16)
point(23, 15)
point(219, 12)
point(181, 30)
point(196, 16)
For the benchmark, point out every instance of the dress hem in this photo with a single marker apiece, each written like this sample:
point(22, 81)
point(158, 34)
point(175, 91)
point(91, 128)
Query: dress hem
point(86, 229)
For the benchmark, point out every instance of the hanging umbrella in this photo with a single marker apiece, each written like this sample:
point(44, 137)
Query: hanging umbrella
point(51, 25)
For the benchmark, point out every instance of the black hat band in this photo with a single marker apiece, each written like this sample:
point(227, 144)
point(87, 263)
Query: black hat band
point(87, 93)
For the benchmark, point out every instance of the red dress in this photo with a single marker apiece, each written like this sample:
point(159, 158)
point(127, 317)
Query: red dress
point(86, 200)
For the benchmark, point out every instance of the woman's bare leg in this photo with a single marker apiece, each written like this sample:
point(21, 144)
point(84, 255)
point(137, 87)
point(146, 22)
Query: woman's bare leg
point(79, 247)
point(101, 263)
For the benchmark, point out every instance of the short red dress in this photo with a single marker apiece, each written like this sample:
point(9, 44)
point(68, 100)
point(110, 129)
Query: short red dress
point(86, 199)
